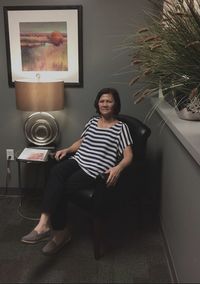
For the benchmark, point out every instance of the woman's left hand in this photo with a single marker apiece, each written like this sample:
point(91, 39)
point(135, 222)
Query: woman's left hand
point(113, 175)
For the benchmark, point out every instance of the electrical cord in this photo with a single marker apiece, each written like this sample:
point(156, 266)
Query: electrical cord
point(8, 174)
point(24, 216)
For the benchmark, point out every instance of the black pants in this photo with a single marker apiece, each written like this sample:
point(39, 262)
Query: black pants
point(66, 175)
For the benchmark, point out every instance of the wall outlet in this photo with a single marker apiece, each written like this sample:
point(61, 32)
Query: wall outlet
point(10, 154)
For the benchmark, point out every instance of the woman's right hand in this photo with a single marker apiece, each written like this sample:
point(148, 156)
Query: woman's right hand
point(61, 154)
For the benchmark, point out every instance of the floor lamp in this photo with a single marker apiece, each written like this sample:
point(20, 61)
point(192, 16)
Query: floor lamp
point(40, 128)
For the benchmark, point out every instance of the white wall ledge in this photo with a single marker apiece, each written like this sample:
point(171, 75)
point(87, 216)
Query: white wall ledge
point(188, 132)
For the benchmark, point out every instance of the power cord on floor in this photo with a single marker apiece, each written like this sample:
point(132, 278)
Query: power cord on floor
point(22, 214)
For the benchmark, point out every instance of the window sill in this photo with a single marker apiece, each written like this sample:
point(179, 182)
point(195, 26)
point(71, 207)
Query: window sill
point(188, 132)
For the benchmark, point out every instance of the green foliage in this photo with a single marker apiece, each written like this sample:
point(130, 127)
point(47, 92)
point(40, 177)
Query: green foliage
point(167, 51)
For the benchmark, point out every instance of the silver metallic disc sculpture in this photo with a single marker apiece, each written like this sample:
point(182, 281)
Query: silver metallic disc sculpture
point(41, 129)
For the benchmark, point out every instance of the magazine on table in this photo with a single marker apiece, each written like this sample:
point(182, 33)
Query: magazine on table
point(34, 154)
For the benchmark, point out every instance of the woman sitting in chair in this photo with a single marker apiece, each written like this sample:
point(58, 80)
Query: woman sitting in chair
point(103, 140)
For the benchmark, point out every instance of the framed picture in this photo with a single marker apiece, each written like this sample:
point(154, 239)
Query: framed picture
point(44, 42)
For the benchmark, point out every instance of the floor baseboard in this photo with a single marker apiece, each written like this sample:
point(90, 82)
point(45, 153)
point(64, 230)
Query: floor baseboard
point(9, 191)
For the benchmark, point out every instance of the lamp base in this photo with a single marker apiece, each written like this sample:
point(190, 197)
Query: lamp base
point(41, 129)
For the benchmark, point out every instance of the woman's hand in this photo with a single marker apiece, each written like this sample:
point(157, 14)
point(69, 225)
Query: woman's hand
point(72, 149)
point(115, 172)
point(61, 153)
point(113, 175)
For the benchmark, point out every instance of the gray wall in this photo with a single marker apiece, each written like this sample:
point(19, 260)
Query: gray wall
point(179, 201)
point(105, 24)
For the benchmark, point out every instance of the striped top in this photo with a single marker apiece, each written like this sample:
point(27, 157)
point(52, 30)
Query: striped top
point(101, 147)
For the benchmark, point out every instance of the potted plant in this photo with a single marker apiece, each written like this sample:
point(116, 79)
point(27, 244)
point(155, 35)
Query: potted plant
point(166, 54)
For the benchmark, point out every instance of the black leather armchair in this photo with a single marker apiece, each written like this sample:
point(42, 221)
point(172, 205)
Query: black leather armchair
point(99, 201)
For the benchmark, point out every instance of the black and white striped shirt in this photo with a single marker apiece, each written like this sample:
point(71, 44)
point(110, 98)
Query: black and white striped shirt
point(101, 147)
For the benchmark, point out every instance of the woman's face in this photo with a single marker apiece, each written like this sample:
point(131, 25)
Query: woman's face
point(106, 105)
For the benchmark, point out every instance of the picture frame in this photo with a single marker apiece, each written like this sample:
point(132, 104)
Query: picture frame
point(44, 42)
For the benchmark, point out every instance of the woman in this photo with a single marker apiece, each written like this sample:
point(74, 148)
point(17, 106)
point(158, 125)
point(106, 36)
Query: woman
point(103, 140)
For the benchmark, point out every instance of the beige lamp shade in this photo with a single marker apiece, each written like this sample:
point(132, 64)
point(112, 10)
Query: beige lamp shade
point(39, 95)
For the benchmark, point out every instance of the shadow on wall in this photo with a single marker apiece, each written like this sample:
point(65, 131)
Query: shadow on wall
point(152, 191)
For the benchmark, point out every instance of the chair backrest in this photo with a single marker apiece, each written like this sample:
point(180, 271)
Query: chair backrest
point(139, 133)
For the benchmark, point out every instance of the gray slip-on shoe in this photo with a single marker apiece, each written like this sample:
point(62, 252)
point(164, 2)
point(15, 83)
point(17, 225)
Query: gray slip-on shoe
point(34, 237)
point(52, 248)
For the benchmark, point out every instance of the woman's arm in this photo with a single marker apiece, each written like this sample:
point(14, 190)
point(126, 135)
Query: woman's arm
point(127, 158)
point(115, 172)
point(72, 149)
